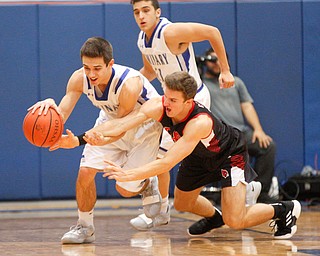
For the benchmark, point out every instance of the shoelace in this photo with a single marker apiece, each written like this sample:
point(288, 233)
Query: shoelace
point(77, 227)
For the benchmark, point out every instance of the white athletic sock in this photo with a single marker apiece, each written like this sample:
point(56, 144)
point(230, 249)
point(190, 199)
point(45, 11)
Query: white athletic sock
point(249, 187)
point(85, 218)
point(164, 204)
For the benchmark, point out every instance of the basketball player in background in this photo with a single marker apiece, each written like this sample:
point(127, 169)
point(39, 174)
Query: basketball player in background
point(116, 90)
point(167, 47)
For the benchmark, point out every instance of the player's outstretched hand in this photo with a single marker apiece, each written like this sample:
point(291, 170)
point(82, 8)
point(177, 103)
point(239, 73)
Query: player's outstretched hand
point(95, 138)
point(66, 141)
point(43, 106)
point(115, 172)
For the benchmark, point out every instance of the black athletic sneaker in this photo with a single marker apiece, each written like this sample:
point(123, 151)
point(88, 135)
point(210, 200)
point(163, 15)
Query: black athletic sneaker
point(206, 224)
point(286, 225)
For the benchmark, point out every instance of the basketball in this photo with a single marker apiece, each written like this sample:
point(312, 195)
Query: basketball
point(43, 130)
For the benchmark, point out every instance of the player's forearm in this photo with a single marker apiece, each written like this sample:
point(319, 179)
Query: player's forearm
point(111, 128)
point(118, 126)
point(218, 45)
point(66, 106)
point(151, 169)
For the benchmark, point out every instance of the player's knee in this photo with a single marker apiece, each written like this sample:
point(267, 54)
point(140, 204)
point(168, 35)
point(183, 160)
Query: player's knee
point(233, 221)
point(182, 205)
point(129, 189)
point(86, 176)
point(123, 192)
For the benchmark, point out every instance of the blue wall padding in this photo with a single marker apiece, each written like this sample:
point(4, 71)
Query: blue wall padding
point(19, 79)
point(311, 74)
point(273, 47)
point(269, 60)
point(121, 30)
point(218, 14)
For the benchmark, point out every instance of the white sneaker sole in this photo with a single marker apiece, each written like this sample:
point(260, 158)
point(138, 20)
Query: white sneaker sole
point(88, 240)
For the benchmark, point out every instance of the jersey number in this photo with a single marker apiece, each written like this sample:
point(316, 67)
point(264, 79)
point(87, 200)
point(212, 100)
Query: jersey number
point(159, 75)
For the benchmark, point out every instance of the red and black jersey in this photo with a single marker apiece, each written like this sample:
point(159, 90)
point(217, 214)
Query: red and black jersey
point(224, 140)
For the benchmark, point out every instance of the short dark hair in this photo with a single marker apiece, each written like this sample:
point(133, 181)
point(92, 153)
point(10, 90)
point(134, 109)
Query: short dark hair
point(154, 3)
point(183, 82)
point(97, 47)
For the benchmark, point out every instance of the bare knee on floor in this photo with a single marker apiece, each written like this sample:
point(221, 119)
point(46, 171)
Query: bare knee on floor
point(234, 222)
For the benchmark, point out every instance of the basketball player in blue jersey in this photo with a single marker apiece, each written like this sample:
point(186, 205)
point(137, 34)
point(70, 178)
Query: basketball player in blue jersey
point(116, 90)
point(167, 47)
point(209, 150)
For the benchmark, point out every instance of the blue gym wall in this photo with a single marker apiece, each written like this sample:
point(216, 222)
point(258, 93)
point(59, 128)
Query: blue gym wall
point(273, 46)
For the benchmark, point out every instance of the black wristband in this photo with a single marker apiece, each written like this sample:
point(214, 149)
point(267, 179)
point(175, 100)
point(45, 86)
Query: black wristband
point(81, 139)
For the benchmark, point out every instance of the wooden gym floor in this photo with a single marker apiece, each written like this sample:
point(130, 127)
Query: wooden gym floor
point(35, 228)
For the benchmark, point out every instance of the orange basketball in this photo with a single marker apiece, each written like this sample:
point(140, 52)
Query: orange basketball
point(43, 130)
